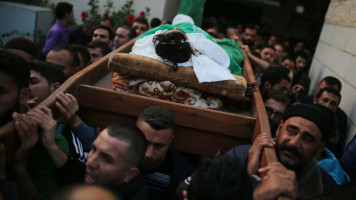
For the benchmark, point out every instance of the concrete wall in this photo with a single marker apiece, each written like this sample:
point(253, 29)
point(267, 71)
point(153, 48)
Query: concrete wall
point(157, 7)
point(24, 19)
point(336, 55)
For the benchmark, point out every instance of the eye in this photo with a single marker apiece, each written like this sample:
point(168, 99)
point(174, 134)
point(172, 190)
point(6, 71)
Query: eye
point(33, 81)
point(307, 139)
point(158, 146)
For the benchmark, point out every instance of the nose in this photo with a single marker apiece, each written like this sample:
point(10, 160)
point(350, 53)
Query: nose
point(91, 160)
point(149, 151)
point(294, 141)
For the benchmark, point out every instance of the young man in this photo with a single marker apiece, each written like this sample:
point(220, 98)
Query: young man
point(123, 35)
point(276, 102)
point(300, 77)
point(140, 25)
point(302, 134)
point(103, 33)
point(45, 78)
point(163, 166)
point(67, 57)
point(328, 97)
point(34, 163)
point(113, 161)
point(341, 117)
point(97, 50)
point(275, 78)
point(14, 78)
point(58, 34)
point(268, 54)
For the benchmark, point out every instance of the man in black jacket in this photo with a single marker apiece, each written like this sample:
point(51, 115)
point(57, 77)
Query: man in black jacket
point(163, 166)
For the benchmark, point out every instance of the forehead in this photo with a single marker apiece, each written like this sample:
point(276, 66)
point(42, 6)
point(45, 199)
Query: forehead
point(154, 136)
point(267, 49)
point(111, 145)
point(278, 106)
point(61, 57)
point(7, 81)
point(330, 96)
point(122, 31)
point(138, 24)
point(36, 74)
point(101, 31)
point(304, 125)
point(278, 47)
point(250, 31)
point(96, 50)
point(299, 58)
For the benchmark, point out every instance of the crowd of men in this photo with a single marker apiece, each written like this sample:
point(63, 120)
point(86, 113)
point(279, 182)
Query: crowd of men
point(65, 158)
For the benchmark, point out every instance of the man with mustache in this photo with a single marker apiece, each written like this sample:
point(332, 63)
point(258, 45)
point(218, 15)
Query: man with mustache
point(163, 167)
point(301, 134)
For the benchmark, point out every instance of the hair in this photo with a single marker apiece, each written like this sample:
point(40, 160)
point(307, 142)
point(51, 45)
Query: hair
point(275, 74)
point(83, 52)
point(218, 179)
point(289, 57)
point(301, 54)
point(158, 118)
point(250, 26)
point(62, 8)
point(50, 71)
point(111, 34)
point(72, 52)
point(330, 80)
point(276, 95)
point(142, 21)
point(108, 18)
point(23, 44)
point(136, 140)
point(132, 32)
point(91, 23)
point(155, 22)
point(105, 49)
point(328, 90)
point(16, 67)
point(66, 193)
point(267, 46)
point(172, 47)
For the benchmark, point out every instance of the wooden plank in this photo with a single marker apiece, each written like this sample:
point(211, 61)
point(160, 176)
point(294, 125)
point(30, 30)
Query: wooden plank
point(185, 115)
point(189, 140)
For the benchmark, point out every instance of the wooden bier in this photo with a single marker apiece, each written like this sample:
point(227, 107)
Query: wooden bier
point(199, 131)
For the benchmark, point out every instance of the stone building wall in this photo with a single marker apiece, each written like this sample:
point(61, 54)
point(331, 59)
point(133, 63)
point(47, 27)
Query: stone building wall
point(336, 55)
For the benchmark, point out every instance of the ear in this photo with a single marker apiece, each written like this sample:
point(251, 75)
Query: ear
point(321, 148)
point(315, 101)
point(185, 194)
point(130, 174)
point(279, 128)
point(110, 44)
point(267, 85)
point(76, 69)
point(54, 86)
point(24, 95)
point(172, 138)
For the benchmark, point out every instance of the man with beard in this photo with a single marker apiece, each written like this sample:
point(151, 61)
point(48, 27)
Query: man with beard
point(276, 102)
point(14, 90)
point(301, 134)
point(249, 36)
point(163, 166)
